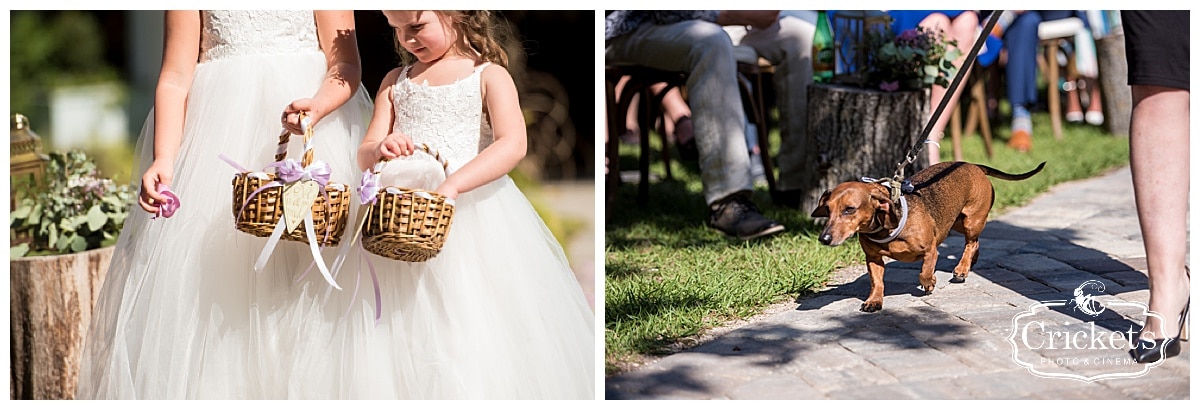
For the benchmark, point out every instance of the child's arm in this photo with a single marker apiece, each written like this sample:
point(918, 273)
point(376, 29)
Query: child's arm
point(508, 127)
point(335, 31)
point(181, 52)
point(380, 141)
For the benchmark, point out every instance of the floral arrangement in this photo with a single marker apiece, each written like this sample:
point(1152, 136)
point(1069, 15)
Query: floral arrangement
point(915, 59)
point(74, 210)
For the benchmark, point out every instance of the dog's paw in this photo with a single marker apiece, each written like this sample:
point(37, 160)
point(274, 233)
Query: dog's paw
point(928, 289)
point(870, 306)
point(958, 279)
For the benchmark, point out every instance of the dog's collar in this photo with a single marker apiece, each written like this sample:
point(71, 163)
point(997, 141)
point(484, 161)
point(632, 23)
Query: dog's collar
point(899, 227)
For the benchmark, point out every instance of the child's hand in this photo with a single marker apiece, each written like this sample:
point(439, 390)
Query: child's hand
point(291, 115)
point(159, 173)
point(396, 144)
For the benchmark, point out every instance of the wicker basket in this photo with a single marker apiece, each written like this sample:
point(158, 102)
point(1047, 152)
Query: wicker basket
point(408, 224)
point(258, 214)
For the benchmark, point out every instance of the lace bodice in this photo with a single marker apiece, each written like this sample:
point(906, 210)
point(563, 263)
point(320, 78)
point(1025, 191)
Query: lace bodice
point(230, 33)
point(447, 117)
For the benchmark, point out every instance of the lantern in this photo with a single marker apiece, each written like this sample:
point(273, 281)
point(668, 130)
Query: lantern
point(25, 154)
point(850, 31)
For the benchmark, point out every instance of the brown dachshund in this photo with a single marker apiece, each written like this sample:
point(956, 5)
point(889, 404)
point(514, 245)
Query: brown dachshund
point(947, 195)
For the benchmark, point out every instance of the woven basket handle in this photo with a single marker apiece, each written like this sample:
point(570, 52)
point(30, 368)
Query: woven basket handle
point(285, 136)
point(422, 146)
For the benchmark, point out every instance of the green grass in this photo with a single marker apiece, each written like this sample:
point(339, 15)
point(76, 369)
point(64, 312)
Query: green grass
point(669, 278)
point(1084, 151)
point(563, 227)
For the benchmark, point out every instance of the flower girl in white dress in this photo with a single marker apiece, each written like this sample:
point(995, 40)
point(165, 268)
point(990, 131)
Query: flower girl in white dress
point(182, 312)
point(497, 313)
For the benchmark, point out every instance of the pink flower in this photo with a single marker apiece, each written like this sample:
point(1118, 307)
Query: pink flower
point(168, 208)
point(890, 86)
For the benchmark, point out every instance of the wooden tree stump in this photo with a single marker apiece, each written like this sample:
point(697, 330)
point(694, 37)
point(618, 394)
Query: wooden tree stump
point(855, 132)
point(1114, 84)
point(51, 308)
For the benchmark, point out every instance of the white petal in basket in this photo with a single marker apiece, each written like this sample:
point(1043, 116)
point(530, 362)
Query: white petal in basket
point(298, 198)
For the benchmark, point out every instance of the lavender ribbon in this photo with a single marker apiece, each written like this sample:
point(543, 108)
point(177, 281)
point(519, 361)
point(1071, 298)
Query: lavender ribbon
point(289, 170)
point(368, 188)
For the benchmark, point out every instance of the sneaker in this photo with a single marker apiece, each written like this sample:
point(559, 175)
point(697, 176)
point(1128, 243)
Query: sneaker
point(1022, 128)
point(1020, 141)
point(1074, 117)
point(737, 216)
point(1095, 118)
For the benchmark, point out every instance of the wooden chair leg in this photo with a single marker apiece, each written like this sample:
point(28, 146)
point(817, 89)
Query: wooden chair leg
point(764, 135)
point(980, 102)
point(647, 121)
point(612, 142)
point(977, 113)
point(665, 145)
point(956, 132)
point(1052, 89)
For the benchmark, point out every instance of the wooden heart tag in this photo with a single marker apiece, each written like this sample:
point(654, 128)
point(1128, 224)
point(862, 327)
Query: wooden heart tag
point(298, 198)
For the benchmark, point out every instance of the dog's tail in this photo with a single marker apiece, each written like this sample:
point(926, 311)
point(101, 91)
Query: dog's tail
point(992, 172)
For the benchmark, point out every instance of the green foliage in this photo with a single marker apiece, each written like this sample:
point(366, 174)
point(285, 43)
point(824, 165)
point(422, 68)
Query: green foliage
point(52, 48)
point(914, 59)
point(73, 211)
point(563, 227)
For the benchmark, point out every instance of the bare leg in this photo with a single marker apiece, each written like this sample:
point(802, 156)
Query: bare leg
point(1074, 108)
point(676, 109)
point(1158, 151)
point(1095, 111)
point(962, 30)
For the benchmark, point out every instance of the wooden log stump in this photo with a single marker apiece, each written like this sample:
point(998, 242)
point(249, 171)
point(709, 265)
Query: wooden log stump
point(51, 309)
point(855, 132)
point(1114, 84)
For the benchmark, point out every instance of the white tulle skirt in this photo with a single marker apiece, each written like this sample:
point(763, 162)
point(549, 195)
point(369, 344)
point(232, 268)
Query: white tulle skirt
point(183, 314)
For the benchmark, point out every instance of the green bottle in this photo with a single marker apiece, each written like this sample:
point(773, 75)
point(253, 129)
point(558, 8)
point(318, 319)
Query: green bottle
point(822, 50)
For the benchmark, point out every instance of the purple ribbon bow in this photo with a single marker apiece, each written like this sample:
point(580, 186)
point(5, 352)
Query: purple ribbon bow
point(289, 170)
point(368, 188)
point(168, 208)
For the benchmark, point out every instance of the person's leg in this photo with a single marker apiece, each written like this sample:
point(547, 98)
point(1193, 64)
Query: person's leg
point(1087, 64)
point(631, 117)
point(1158, 157)
point(963, 31)
point(1095, 111)
point(1021, 41)
point(677, 122)
point(1074, 112)
point(788, 46)
point(704, 51)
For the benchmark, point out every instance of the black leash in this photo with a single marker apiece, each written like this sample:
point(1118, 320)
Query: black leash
point(911, 156)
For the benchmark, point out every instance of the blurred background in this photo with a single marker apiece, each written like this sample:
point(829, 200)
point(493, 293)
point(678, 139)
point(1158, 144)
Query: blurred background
point(85, 80)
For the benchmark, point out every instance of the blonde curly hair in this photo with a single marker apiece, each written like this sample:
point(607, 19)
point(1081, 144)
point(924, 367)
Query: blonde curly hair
point(482, 30)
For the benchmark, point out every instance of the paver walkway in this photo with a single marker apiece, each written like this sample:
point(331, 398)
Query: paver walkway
point(954, 343)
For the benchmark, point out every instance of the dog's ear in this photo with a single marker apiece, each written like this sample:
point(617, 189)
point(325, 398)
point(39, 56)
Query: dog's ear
point(883, 203)
point(822, 210)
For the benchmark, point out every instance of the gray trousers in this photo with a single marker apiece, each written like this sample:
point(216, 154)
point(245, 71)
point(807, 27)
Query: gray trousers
point(705, 51)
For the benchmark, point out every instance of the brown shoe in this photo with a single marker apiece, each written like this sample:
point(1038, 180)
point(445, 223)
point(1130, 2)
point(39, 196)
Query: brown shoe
point(1021, 141)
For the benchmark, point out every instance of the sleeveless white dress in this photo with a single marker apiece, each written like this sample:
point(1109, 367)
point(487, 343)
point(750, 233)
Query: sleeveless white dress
point(182, 313)
point(498, 313)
